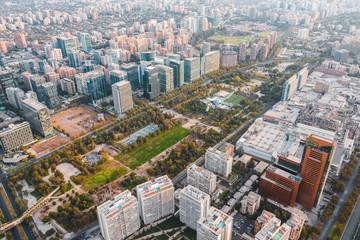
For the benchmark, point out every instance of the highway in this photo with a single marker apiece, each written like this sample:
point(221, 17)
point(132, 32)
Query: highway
point(352, 223)
point(329, 225)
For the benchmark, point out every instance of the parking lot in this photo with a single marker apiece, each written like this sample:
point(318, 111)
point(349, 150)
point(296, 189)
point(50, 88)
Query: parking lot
point(242, 225)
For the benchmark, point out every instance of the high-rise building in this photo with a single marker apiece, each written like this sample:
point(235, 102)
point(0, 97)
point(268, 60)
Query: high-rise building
point(6, 81)
point(264, 51)
point(147, 56)
point(156, 199)
point(253, 51)
point(191, 69)
point(38, 116)
point(122, 95)
point(194, 205)
point(53, 77)
point(119, 217)
point(201, 178)
point(302, 76)
point(228, 58)
point(74, 59)
point(166, 78)
point(30, 66)
point(341, 55)
point(15, 96)
point(67, 72)
point(290, 87)
point(85, 42)
point(68, 86)
point(274, 230)
point(96, 86)
point(279, 186)
point(3, 47)
point(20, 40)
point(215, 226)
point(132, 70)
point(67, 45)
point(262, 220)
point(15, 136)
point(151, 83)
point(314, 171)
point(250, 203)
point(178, 69)
point(81, 80)
point(212, 62)
point(48, 93)
point(218, 162)
point(296, 222)
point(117, 76)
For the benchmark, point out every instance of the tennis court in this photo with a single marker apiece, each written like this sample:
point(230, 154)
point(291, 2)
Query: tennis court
point(142, 132)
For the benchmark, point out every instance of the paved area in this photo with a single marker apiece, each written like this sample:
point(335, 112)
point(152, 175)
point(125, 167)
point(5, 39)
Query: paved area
point(352, 222)
point(31, 200)
point(68, 170)
point(242, 225)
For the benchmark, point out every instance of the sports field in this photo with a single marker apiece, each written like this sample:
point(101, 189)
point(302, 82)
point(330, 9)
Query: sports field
point(153, 147)
point(229, 39)
point(234, 99)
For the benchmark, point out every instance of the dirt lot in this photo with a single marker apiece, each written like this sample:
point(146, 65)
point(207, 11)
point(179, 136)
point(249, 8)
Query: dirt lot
point(48, 145)
point(77, 121)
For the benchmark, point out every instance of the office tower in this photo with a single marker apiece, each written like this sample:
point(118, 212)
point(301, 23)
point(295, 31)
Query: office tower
point(296, 222)
point(191, 69)
point(253, 51)
point(314, 171)
point(166, 78)
point(178, 69)
point(38, 116)
point(201, 178)
point(147, 56)
point(253, 13)
point(218, 162)
point(279, 186)
point(290, 87)
point(97, 55)
point(122, 95)
point(302, 76)
point(30, 66)
point(6, 81)
point(81, 82)
point(212, 62)
point(67, 45)
point(74, 59)
point(262, 220)
point(151, 83)
point(341, 55)
point(96, 86)
point(156, 199)
point(215, 226)
point(119, 217)
point(31, 95)
point(15, 136)
point(194, 205)
point(85, 42)
point(218, 17)
point(132, 70)
point(41, 65)
point(3, 47)
point(206, 48)
point(274, 230)
point(68, 86)
point(20, 40)
point(228, 58)
point(264, 51)
point(48, 93)
point(15, 96)
point(250, 203)
point(117, 76)
point(35, 82)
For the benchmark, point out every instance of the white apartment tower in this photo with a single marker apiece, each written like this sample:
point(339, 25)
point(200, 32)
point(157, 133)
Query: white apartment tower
point(218, 162)
point(156, 199)
point(119, 217)
point(201, 178)
point(194, 205)
point(122, 94)
point(215, 226)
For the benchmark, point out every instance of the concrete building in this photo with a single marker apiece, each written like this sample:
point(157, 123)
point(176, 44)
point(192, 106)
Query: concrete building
point(117, 76)
point(341, 55)
point(215, 226)
point(147, 56)
point(296, 222)
point(201, 178)
point(38, 116)
point(262, 220)
point(253, 51)
point(30, 66)
point(151, 83)
point(290, 87)
point(122, 95)
point(228, 58)
point(156, 199)
point(15, 136)
point(191, 69)
point(194, 205)
point(242, 52)
point(20, 40)
point(250, 203)
point(166, 78)
point(218, 162)
point(303, 33)
point(274, 230)
point(15, 96)
point(212, 62)
point(119, 217)
point(68, 86)
point(6, 81)
point(74, 59)
point(85, 42)
point(302, 76)
point(81, 80)
point(48, 93)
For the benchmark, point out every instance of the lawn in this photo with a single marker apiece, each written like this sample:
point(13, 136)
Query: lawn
point(68, 188)
point(234, 99)
point(105, 175)
point(172, 222)
point(153, 147)
point(233, 40)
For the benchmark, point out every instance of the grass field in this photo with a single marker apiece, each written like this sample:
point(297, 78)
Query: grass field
point(68, 188)
point(234, 99)
point(153, 147)
point(229, 39)
point(105, 175)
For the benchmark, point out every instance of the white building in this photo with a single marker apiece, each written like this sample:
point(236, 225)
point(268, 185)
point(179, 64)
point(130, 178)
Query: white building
point(194, 205)
point(215, 226)
point(218, 162)
point(122, 95)
point(156, 199)
point(296, 222)
point(15, 96)
point(201, 178)
point(119, 217)
point(250, 203)
point(274, 230)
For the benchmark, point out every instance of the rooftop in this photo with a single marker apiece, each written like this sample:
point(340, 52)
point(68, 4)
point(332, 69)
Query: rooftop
point(194, 193)
point(117, 204)
point(215, 220)
point(157, 185)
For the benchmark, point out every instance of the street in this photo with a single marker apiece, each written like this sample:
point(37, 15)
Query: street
point(352, 223)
